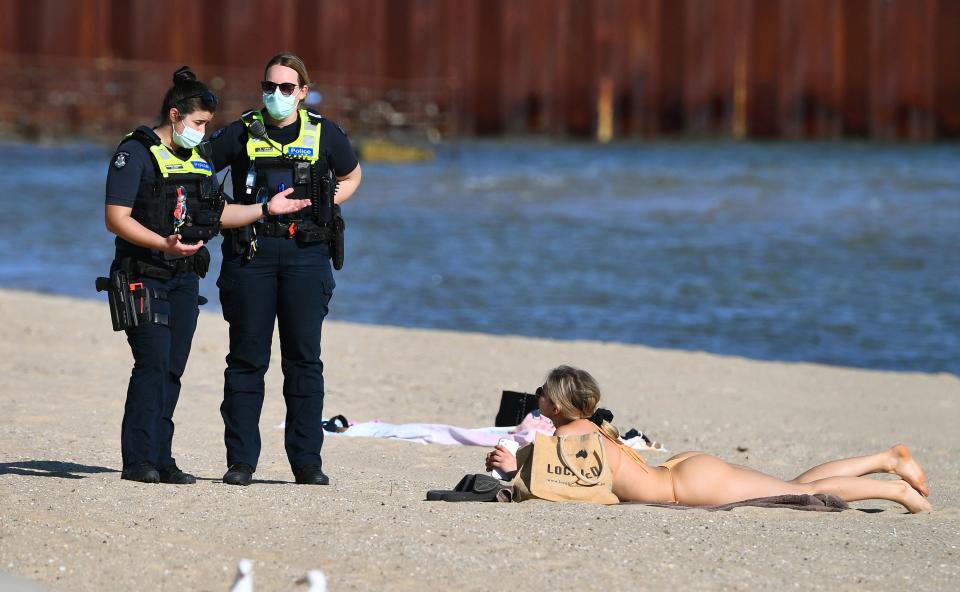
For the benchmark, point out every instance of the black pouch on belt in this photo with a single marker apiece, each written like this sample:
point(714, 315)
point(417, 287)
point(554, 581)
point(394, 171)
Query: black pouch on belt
point(201, 261)
point(336, 245)
point(240, 238)
point(116, 286)
point(130, 302)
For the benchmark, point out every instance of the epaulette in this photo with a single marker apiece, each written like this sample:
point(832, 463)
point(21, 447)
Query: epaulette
point(145, 137)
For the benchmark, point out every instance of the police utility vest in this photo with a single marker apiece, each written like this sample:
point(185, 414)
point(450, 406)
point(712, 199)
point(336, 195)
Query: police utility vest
point(301, 165)
point(184, 197)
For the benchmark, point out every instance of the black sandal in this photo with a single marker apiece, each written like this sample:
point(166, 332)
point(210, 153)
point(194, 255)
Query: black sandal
point(472, 488)
point(330, 425)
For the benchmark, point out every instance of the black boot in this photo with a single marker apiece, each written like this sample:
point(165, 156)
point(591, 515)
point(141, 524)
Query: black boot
point(238, 474)
point(311, 475)
point(175, 476)
point(142, 471)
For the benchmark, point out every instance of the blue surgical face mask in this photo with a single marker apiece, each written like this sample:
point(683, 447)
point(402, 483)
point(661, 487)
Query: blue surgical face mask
point(188, 138)
point(279, 106)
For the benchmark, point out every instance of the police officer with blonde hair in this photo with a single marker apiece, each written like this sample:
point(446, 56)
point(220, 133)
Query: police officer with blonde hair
point(278, 270)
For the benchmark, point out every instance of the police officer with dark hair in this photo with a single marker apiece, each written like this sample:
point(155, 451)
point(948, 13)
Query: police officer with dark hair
point(163, 204)
point(279, 270)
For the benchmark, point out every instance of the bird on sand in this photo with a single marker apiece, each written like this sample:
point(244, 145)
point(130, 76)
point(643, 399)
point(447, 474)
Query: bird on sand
point(315, 580)
point(244, 580)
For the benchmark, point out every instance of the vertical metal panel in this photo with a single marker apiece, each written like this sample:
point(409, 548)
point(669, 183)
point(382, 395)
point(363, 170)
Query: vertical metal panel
point(670, 57)
point(856, 45)
point(808, 97)
point(710, 27)
point(903, 91)
point(32, 20)
point(93, 27)
point(542, 108)
point(636, 102)
point(947, 68)
point(398, 39)
point(488, 66)
point(606, 66)
point(9, 30)
point(579, 55)
point(152, 26)
point(248, 41)
point(426, 40)
point(518, 23)
point(763, 102)
point(339, 38)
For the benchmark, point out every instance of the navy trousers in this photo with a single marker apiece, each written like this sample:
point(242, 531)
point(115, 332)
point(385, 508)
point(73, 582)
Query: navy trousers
point(159, 358)
point(290, 285)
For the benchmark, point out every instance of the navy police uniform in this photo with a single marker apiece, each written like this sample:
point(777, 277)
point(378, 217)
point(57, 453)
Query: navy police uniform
point(277, 270)
point(149, 178)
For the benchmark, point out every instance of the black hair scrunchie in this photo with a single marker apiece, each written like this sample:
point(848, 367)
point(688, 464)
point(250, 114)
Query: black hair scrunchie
point(601, 415)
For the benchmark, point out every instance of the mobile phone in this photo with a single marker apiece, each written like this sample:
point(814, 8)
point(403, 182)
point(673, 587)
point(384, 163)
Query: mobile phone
point(512, 446)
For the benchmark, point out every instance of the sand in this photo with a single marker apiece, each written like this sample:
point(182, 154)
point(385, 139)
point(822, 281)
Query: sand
point(68, 522)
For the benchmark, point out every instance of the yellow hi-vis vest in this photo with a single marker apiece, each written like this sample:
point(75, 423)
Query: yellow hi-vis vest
point(305, 147)
point(191, 178)
point(169, 164)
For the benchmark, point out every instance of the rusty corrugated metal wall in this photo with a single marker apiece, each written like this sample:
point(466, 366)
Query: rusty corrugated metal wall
point(744, 68)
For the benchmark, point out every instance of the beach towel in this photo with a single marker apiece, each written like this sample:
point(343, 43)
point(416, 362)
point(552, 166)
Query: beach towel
point(438, 433)
point(818, 502)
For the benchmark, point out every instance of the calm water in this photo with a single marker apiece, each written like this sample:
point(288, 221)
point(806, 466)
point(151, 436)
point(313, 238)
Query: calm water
point(839, 253)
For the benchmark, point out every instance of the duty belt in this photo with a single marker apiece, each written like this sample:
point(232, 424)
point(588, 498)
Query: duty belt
point(316, 231)
point(140, 268)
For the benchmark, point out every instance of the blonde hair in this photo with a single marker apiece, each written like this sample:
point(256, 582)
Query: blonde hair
point(577, 394)
point(292, 61)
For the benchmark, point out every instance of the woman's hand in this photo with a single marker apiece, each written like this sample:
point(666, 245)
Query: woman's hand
point(173, 246)
point(279, 204)
point(501, 459)
point(237, 215)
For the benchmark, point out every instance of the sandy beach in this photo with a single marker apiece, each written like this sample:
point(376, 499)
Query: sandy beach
point(68, 522)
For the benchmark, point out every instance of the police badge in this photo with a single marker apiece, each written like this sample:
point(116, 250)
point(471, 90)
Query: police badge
point(120, 160)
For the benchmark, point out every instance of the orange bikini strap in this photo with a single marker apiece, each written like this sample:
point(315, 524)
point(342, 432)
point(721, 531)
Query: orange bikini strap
point(630, 451)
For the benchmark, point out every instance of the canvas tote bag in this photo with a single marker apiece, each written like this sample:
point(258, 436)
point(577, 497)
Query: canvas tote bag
point(565, 469)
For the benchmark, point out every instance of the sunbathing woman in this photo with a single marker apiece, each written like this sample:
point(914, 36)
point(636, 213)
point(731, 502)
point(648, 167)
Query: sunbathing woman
point(569, 397)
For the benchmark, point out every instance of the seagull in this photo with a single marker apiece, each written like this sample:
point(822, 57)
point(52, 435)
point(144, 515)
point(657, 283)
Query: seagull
point(315, 580)
point(244, 579)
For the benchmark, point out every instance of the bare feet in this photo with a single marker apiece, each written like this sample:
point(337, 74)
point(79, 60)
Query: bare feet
point(913, 501)
point(908, 469)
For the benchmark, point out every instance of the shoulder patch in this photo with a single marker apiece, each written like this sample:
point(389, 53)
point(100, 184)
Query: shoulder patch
point(218, 133)
point(120, 159)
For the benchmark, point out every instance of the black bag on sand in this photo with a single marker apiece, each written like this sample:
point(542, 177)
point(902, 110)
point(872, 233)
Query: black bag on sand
point(472, 488)
point(514, 407)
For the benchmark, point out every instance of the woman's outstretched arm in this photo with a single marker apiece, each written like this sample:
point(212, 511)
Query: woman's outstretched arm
point(236, 215)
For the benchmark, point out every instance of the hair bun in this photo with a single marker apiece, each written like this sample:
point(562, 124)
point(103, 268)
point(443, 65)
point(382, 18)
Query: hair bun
point(183, 75)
